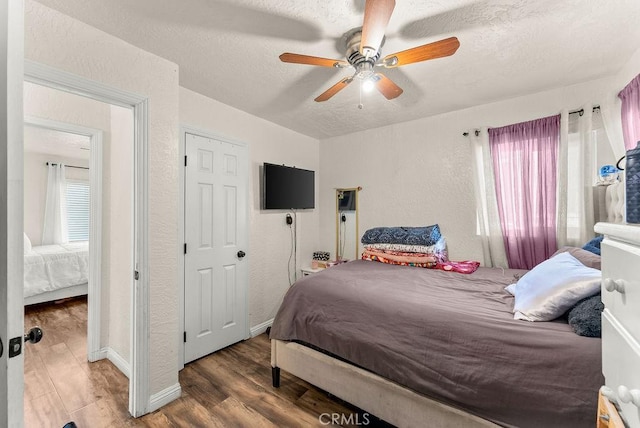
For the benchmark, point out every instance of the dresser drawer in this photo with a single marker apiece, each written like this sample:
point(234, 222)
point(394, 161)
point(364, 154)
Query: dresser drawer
point(608, 416)
point(621, 283)
point(621, 366)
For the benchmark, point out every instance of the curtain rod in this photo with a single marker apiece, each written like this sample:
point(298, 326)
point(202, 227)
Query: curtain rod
point(579, 112)
point(68, 166)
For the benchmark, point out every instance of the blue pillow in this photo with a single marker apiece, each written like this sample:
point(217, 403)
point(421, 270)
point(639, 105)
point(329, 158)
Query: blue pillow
point(594, 245)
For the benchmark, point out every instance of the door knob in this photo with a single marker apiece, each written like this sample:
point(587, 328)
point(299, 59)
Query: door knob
point(241, 254)
point(34, 335)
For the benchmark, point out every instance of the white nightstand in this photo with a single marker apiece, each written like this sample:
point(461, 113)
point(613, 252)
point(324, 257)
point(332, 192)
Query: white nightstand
point(309, 270)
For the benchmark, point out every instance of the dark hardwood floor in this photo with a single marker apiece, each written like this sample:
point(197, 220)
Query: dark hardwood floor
point(230, 388)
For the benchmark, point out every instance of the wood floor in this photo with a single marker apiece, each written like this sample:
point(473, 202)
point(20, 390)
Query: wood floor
point(231, 388)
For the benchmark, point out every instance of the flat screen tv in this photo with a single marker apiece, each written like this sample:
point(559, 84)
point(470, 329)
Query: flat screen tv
point(287, 188)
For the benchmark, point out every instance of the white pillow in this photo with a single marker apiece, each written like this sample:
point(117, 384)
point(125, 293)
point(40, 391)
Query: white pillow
point(511, 289)
point(553, 287)
point(27, 243)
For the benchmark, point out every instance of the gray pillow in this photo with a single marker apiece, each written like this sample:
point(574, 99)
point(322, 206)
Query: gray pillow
point(585, 257)
point(585, 316)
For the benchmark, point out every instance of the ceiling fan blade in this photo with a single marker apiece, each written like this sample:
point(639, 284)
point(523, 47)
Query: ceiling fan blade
point(376, 17)
point(334, 89)
point(433, 50)
point(386, 86)
point(312, 60)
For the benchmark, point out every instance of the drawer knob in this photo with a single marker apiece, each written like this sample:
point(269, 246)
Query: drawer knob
point(613, 285)
point(629, 395)
point(609, 393)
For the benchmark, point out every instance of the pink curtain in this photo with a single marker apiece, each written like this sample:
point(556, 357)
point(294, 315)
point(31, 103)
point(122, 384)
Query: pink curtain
point(630, 97)
point(525, 165)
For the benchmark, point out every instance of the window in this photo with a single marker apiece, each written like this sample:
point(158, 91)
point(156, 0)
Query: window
point(78, 210)
point(524, 163)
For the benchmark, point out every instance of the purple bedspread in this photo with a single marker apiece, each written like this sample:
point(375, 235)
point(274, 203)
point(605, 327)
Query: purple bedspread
point(451, 337)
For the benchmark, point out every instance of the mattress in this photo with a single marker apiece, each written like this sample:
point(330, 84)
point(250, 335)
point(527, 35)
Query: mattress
point(449, 336)
point(52, 267)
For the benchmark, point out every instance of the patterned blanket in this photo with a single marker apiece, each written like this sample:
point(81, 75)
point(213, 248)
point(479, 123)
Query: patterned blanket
point(428, 235)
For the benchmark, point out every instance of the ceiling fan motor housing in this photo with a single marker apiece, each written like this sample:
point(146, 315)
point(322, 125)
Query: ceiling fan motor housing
point(363, 65)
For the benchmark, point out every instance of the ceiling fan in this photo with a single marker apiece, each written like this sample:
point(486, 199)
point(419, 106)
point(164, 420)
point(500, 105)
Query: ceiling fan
point(362, 52)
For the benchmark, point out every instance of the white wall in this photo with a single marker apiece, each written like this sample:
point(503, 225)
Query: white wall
point(269, 236)
point(70, 45)
point(419, 172)
point(629, 71)
point(118, 186)
point(35, 188)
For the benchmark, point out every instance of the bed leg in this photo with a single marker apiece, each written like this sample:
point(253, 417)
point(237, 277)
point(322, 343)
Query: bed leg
point(275, 376)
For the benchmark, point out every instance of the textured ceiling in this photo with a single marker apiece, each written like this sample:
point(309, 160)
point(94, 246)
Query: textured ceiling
point(228, 50)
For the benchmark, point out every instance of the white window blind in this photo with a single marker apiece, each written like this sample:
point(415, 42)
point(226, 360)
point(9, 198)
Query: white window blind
point(78, 210)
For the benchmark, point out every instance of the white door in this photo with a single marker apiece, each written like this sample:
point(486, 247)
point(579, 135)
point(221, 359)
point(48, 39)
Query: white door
point(216, 241)
point(11, 220)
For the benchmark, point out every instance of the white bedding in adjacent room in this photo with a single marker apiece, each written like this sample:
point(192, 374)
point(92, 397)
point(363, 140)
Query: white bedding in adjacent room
point(52, 267)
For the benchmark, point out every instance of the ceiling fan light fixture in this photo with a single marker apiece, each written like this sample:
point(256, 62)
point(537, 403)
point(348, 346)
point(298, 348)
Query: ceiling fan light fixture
point(368, 85)
point(364, 70)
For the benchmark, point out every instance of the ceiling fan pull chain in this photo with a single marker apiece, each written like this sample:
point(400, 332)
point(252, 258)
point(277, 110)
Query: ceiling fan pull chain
point(360, 106)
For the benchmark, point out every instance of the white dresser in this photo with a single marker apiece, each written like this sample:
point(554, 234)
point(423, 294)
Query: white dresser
point(621, 317)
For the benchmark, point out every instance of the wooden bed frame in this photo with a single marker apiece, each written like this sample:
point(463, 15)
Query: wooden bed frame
point(385, 399)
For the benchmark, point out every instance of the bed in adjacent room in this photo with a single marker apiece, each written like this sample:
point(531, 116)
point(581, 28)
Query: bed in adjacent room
point(53, 272)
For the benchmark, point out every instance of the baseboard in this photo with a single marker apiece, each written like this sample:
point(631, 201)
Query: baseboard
point(116, 359)
point(100, 354)
point(261, 328)
point(165, 396)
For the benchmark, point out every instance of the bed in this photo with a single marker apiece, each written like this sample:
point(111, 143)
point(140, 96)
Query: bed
point(485, 349)
point(53, 272)
point(413, 345)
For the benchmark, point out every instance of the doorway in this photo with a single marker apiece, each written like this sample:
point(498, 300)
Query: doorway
point(63, 192)
point(50, 141)
point(138, 294)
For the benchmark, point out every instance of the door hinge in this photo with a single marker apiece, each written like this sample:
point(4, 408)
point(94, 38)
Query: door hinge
point(185, 161)
point(184, 337)
point(185, 248)
point(136, 275)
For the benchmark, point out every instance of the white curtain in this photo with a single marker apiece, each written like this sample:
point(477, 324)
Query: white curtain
point(561, 202)
point(612, 120)
point(489, 228)
point(55, 211)
point(577, 176)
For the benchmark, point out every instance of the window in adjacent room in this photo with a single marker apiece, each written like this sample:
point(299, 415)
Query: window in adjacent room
point(78, 210)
